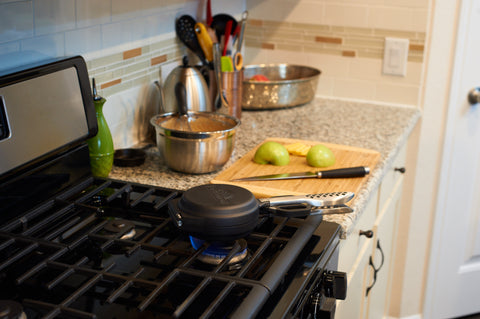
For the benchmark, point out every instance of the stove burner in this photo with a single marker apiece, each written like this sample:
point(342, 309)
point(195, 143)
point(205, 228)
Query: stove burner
point(10, 309)
point(121, 226)
point(217, 251)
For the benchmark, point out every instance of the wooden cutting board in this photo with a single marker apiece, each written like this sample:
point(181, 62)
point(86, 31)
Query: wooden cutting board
point(346, 156)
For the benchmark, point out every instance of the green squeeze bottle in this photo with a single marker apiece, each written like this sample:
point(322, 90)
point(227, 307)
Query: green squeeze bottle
point(101, 145)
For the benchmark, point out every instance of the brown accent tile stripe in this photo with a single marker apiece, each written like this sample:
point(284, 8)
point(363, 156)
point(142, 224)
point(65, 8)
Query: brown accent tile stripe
point(416, 47)
point(349, 53)
point(111, 83)
point(328, 40)
point(255, 23)
point(158, 59)
point(269, 46)
point(132, 53)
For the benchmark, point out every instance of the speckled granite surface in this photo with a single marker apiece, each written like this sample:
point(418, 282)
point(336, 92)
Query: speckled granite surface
point(372, 126)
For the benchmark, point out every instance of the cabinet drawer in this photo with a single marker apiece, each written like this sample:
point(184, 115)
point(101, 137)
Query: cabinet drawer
point(392, 177)
point(350, 247)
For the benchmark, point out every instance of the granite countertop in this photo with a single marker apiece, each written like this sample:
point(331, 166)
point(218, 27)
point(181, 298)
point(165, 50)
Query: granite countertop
point(383, 128)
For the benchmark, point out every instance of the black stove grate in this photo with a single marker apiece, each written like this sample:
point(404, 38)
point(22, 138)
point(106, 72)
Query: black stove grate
point(108, 249)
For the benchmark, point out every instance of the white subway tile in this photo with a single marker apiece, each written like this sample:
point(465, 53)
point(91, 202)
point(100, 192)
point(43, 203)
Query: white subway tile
point(306, 12)
point(325, 85)
point(83, 40)
point(54, 16)
point(52, 45)
point(346, 15)
point(407, 3)
point(16, 21)
point(9, 47)
point(93, 12)
point(125, 9)
point(330, 65)
point(396, 93)
point(356, 89)
point(393, 18)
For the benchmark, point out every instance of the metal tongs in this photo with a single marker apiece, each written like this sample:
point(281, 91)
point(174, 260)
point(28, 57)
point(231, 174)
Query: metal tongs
point(308, 205)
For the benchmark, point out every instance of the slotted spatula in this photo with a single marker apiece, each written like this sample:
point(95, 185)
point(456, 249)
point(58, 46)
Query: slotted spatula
point(185, 29)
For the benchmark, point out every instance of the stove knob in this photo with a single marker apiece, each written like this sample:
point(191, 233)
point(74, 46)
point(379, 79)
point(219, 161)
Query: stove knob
point(335, 284)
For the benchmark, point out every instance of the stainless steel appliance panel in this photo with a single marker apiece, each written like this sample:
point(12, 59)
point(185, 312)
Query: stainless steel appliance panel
point(31, 107)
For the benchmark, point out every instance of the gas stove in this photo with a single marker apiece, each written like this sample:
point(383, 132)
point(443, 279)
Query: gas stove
point(76, 246)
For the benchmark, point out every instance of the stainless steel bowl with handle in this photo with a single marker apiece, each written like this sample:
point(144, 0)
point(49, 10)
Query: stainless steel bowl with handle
point(201, 143)
point(289, 85)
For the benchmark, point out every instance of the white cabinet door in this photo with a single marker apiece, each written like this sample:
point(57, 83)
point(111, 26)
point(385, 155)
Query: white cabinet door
point(453, 287)
point(354, 306)
point(384, 253)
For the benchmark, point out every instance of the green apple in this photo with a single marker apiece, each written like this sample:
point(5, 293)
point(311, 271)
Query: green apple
point(272, 153)
point(320, 156)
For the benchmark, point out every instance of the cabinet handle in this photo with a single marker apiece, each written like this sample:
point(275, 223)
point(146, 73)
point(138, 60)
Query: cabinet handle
point(375, 270)
point(400, 169)
point(366, 233)
point(374, 277)
point(383, 256)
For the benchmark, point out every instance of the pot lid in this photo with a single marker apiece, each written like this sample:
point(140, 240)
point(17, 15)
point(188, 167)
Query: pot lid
point(215, 212)
point(218, 201)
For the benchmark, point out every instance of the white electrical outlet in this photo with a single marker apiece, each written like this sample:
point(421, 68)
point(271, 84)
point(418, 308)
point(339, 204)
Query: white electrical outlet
point(395, 56)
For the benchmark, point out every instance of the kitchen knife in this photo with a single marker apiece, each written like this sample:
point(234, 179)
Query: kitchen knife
point(349, 172)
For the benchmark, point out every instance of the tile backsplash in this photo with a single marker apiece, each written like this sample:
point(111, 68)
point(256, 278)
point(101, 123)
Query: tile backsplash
point(345, 39)
point(130, 44)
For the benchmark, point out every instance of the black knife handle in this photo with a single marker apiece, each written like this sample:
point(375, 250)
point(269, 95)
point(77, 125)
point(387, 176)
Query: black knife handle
point(358, 171)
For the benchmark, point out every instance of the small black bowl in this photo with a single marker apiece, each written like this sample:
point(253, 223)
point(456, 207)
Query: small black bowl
point(129, 157)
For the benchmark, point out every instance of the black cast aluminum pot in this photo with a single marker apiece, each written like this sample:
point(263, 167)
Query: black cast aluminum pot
point(216, 212)
point(223, 212)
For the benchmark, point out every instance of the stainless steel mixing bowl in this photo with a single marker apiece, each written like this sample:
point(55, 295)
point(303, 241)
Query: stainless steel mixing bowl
point(289, 85)
point(201, 143)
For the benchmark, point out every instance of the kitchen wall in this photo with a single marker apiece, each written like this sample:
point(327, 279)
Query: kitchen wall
point(127, 45)
point(345, 40)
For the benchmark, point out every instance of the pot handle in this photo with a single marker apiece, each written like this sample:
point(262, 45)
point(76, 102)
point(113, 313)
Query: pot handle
point(290, 210)
point(305, 210)
point(162, 97)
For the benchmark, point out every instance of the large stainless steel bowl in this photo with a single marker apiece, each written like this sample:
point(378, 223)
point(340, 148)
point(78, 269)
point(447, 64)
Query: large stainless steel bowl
point(289, 85)
point(203, 143)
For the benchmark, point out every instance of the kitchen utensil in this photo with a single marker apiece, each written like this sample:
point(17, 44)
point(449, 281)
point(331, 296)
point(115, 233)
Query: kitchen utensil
point(197, 91)
point(185, 30)
point(349, 172)
point(243, 23)
point(290, 85)
point(209, 13)
point(228, 32)
point(220, 101)
point(219, 23)
point(226, 64)
point(222, 212)
point(183, 119)
point(129, 157)
point(204, 40)
point(346, 156)
point(203, 149)
point(238, 61)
